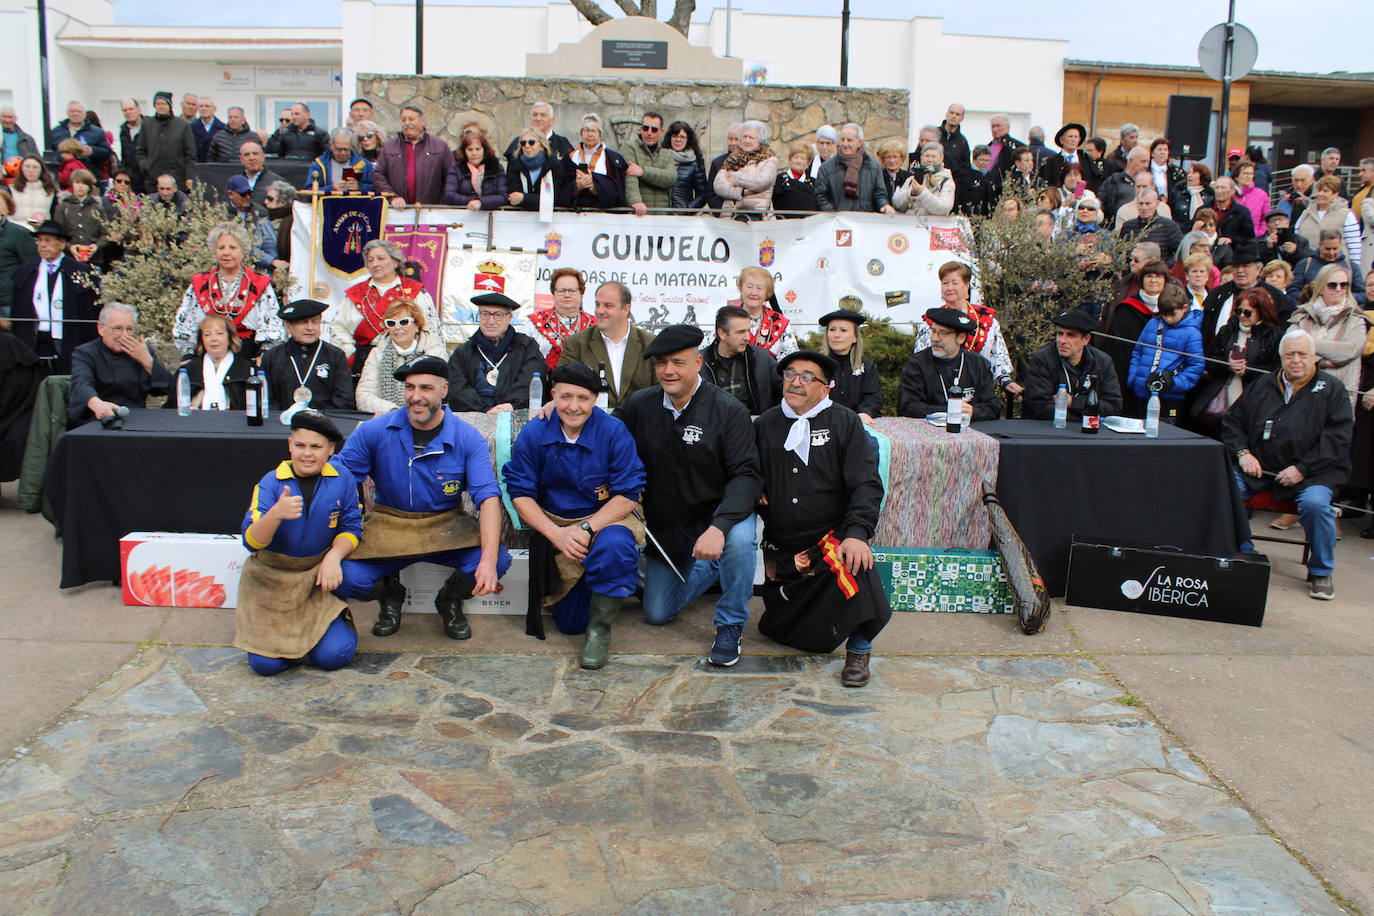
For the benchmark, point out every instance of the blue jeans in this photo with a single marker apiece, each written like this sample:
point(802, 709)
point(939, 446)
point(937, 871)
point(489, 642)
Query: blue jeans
point(859, 644)
point(1315, 514)
point(665, 595)
point(334, 650)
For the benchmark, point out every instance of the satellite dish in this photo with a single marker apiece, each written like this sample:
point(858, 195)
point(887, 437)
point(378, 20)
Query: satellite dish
point(1211, 51)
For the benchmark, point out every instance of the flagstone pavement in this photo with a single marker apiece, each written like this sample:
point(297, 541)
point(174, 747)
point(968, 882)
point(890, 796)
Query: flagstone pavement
point(981, 772)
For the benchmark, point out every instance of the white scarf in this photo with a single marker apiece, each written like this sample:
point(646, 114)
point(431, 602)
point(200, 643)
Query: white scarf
point(1326, 314)
point(50, 314)
point(799, 436)
point(213, 395)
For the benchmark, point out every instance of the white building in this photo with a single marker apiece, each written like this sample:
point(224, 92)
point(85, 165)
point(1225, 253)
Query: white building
point(264, 70)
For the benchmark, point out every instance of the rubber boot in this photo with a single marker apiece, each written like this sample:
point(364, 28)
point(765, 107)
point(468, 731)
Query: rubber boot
point(449, 603)
point(597, 643)
point(392, 596)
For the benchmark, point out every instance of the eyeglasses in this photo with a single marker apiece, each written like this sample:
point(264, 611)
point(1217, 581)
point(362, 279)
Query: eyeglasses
point(649, 128)
point(369, 135)
point(1338, 284)
point(806, 378)
point(396, 322)
point(571, 291)
point(529, 142)
point(492, 314)
point(121, 181)
point(1246, 313)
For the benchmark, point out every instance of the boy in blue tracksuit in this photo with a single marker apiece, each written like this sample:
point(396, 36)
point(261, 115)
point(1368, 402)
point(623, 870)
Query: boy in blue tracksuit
point(303, 520)
point(1176, 327)
point(422, 458)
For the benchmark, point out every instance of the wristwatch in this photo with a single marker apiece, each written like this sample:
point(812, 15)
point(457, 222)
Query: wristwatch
point(1242, 453)
point(586, 526)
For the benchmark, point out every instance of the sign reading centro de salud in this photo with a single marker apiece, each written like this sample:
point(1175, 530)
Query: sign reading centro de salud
point(286, 78)
point(618, 54)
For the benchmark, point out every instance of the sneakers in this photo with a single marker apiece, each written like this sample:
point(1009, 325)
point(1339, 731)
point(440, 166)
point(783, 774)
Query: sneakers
point(1321, 588)
point(725, 651)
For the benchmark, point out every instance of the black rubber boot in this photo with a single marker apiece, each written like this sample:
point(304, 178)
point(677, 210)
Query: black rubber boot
point(449, 603)
point(392, 596)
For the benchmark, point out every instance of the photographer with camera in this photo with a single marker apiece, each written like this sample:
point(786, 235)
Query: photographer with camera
point(930, 189)
point(1158, 364)
point(1298, 197)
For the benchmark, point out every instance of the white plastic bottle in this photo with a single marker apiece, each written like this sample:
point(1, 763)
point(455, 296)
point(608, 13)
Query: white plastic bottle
point(536, 393)
point(183, 393)
point(1152, 416)
point(1061, 407)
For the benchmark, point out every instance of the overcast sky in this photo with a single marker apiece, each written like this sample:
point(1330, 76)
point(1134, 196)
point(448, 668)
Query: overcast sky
point(1094, 31)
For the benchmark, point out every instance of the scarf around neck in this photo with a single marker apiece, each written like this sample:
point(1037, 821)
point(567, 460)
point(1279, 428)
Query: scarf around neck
point(739, 158)
point(799, 436)
point(852, 162)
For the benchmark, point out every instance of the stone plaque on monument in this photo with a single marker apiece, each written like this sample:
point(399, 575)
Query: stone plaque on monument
point(634, 55)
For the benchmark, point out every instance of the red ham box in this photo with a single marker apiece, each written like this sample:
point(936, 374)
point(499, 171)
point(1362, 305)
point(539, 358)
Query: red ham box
point(162, 569)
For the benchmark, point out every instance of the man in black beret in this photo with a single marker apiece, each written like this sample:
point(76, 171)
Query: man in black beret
point(703, 481)
point(1067, 362)
point(492, 370)
point(822, 493)
point(930, 373)
point(306, 369)
point(741, 369)
point(575, 479)
point(422, 459)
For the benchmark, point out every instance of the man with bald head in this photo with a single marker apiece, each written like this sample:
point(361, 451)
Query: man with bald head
point(95, 149)
point(190, 107)
point(1152, 226)
point(541, 120)
point(16, 141)
point(259, 177)
point(1118, 188)
point(204, 127)
point(1003, 146)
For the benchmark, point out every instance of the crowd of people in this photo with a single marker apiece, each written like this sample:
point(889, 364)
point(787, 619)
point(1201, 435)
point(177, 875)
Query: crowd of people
point(1243, 313)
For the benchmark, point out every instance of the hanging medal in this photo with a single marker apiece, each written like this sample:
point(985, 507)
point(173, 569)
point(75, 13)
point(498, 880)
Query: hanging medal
point(302, 395)
point(495, 371)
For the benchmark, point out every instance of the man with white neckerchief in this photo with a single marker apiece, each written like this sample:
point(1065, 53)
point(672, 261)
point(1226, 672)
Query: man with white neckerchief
point(305, 369)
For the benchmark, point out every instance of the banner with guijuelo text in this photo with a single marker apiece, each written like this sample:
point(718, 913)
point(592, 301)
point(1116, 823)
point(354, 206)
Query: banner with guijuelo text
point(678, 268)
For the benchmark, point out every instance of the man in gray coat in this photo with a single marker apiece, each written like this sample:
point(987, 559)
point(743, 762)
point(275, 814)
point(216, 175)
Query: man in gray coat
point(653, 171)
point(851, 179)
point(165, 144)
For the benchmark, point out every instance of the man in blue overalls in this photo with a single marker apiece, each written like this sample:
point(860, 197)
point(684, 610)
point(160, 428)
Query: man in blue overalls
point(303, 520)
point(575, 478)
point(421, 458)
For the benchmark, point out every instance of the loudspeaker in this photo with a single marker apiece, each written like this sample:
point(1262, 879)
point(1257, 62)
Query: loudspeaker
point(1186, 125)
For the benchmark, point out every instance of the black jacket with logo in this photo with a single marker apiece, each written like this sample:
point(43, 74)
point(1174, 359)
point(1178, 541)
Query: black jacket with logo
point(923, 392)
point(1311, 432)
point(703, 468)
point(760, 375)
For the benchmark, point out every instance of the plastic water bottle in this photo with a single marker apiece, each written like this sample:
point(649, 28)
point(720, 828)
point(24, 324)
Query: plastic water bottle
point(536, 393)
point(1152, 416)
point(1061, 407)
point(954, 410)
point(266, 401)
point(183, 393)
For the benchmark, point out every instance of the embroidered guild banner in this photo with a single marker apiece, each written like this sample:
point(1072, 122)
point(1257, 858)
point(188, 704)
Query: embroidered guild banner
point(347, 223)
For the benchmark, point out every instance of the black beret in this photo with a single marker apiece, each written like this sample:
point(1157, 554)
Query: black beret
point(673, 338)
point(1075, 320)
point(827, 363)
point(301, 308)
point(496, 299)
point(425, 365)
point(1246, 254)
point(845, 314)
point(954, 319)
point(576, 374)
point(317, 422)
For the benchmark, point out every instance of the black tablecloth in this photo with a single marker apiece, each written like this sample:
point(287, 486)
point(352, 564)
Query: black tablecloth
point(1114, 488)
point(162, 472)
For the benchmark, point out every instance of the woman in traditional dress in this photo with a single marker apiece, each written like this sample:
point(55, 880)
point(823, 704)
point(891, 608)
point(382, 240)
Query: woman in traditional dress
point(552, 327)
point(358, 318)
point(767, 325)
point(956, 279)
point(232, 290)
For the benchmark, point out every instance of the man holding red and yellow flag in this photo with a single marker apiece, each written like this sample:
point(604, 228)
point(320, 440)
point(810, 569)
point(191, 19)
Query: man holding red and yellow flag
point(821, 496)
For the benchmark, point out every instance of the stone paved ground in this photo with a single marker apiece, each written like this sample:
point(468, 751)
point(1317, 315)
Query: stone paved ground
point(446, 782)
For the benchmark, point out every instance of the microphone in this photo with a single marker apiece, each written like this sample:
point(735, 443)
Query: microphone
point(116, 419)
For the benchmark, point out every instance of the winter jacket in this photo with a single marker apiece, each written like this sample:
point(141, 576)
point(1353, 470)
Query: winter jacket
point(224, 146)
point(760, 375)
point(165, 146)
point(16, 247)
point(1307, 269)
point(92, 136)
point(292, 142)
point(749, 187)
point(48, 425)
point(26, 144)
point(459, 192)
point(84, 220)
point(608, 189)
point(1186, 335)
point(1311, 432)
point(872, 195)
point(689, 191)
point(1162, 231)
point(433, 160)
point(795, 193)
point(1257, 202)
point(518, 178)
point(361, 166)
point(1235, 223)
point(1338, 217)
point(1340, 344)
point(204, 136)
point(128, 157)
point(937, 200)
point(654, 187)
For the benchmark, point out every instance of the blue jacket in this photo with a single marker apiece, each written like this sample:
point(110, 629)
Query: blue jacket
point(90, 135)
point(1185, 336)
point(333, 513)
point(457, 459)
point(361, 166)
point(573, 479)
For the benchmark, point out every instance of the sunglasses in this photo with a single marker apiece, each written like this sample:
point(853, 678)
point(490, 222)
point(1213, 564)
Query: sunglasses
point(529, 142)
point(396, 322)
point(1246, 313)
point(649, 129)
point(1333, 284)
point(369, 135)
point(283, 120)
point(269, 198)
point(121, 181)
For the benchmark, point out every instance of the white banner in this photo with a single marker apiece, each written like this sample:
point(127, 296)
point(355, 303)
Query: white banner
point(679, 268)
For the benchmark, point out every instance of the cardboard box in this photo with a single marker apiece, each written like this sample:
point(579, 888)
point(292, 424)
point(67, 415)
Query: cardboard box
point(944, 580)
point(162, 569)
point(423, 581)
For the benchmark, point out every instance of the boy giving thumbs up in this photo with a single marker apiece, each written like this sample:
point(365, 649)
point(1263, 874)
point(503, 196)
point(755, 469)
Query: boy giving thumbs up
point(303, 520)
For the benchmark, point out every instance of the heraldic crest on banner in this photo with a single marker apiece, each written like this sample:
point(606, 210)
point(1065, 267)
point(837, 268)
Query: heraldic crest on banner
point(473, 272)
point(347, 223)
